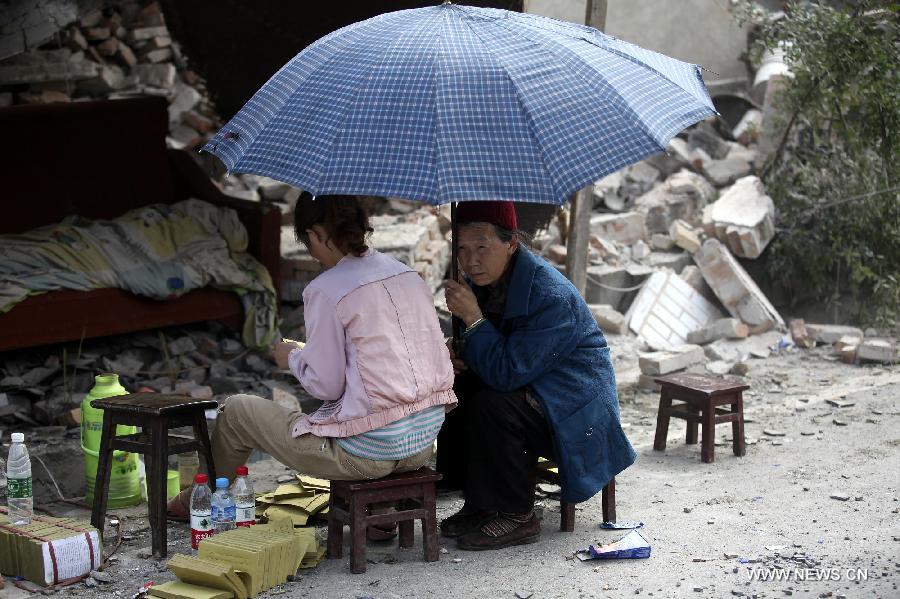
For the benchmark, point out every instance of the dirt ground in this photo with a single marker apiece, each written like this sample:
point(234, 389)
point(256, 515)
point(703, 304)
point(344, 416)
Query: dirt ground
point(711, 526)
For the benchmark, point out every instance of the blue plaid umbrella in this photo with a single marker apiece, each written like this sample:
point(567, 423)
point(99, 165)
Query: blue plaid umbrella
point(452, 103)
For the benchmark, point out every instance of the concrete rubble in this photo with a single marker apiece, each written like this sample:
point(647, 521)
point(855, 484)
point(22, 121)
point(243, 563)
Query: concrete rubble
point(743, 218)
point(734, 287)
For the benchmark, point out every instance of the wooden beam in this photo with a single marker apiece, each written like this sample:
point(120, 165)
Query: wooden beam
point(583, 201)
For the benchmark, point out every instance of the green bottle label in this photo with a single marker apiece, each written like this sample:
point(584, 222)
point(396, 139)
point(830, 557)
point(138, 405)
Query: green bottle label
point(18, 488)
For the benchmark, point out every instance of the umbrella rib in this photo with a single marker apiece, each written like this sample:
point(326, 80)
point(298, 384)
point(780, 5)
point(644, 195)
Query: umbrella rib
point(349, 113)
point(625, 105)
point(531, 125)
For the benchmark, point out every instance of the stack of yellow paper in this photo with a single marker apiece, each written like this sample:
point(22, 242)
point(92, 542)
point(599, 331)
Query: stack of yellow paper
point(182, 590)
point(248, 561)
point(26, 550)
point(297, 502)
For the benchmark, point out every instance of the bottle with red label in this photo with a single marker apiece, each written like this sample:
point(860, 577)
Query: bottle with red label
point(244, 499)
point(201, 511)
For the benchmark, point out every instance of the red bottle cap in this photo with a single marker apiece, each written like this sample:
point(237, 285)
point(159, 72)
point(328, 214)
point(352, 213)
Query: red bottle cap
point(201, 479)
point(241, 471)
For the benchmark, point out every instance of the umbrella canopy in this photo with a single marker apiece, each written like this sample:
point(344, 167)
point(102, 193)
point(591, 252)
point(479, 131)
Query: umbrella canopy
point(452, 103)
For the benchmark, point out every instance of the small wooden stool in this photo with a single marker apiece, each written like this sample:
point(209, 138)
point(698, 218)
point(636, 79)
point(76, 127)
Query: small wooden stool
point(701, 395)
point(155, 414)
point(350, 503)
point(545, 473)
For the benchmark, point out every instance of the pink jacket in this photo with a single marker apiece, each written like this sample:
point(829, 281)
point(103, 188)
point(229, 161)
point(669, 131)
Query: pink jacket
point(374, 351)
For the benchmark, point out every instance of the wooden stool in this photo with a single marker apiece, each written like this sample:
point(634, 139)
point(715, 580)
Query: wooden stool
point(545, 473)
point(701, 394)
point(350, 503)
point(155, 414)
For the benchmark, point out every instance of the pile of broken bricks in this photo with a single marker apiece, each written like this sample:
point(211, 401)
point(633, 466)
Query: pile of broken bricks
point(668, 234)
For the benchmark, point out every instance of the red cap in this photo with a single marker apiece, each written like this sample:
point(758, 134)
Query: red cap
point(201, 479)
point(501, 213)
point(241, 471)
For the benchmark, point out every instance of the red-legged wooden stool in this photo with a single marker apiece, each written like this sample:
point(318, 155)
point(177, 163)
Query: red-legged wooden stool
point(701, 395)
point(350, 503)
point(545, 472)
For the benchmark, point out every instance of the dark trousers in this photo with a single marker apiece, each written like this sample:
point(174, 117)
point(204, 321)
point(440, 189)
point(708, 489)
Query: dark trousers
point(489, 446)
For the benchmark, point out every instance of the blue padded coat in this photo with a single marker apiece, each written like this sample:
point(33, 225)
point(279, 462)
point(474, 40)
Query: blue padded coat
point(549, 343)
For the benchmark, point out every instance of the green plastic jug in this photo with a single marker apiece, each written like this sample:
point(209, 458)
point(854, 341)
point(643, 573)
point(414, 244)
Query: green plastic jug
point(124, 486)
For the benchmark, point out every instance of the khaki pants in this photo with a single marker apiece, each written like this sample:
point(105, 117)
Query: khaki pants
point(248, 422)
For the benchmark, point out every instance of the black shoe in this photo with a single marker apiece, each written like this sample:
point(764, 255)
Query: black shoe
point(464, 521)
point(503, 530)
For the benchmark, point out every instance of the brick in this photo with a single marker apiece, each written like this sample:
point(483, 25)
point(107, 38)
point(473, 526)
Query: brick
point(705, 137)
point(658, 241)
point(157, 56)
point(185, 99)
point(724, 328)
point(675, 261)
point(608, 318)
point(41, 71)
point(728, 170)
point(96, 34)
point(830, 333)
point(156, 75)
point(799, 334)
point(747, 129)
point(108, 47)
point(848, 354)
point(684, 236)
point(667, 361)
point(744, 217)
point(878, 350)
point(47, 96)
point(75, 40)
point(846, 341)
point(639, 250)
point(109, 79)
point(157, 43)
point(90, 19)
point(604, 248)
point(145, 33)
point(683, 195)
point(126, 56)
point(667, 309)
point(626, 227)
point(557, 253)
point(734, 287)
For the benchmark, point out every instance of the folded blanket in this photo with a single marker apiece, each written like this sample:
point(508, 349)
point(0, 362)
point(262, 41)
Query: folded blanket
point(160, 251)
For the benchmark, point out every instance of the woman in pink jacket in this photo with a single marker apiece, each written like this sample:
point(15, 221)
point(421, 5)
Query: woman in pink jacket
point(374, 354)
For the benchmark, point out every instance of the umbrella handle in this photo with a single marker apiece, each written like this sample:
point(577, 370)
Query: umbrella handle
point(454, 273)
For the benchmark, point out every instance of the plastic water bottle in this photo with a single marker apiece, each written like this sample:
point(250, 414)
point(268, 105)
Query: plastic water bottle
point(201, 510)
point(18, 485)
point(223, 508)
point(244, 499)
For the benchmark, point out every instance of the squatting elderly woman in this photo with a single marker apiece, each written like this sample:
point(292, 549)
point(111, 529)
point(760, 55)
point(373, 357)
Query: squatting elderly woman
point(534, 379)
point(374, 354)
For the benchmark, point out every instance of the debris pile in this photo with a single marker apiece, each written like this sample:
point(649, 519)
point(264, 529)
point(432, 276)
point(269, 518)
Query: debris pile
point(39, 388)
point(668, 237)
point(417, 238)
point(122, 50)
